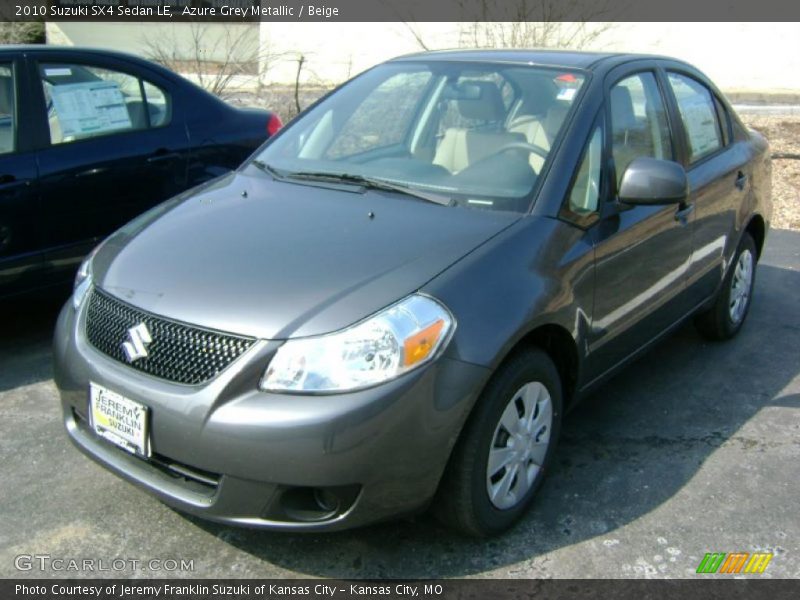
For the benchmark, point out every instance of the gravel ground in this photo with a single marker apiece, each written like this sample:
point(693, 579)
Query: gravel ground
point(783, 133)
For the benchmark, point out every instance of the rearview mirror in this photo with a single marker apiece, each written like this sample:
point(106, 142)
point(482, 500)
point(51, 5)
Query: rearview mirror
point(653, 181)
point(462, 91)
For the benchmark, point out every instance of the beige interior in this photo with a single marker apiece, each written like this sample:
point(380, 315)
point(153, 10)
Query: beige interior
point(462, 146)
point(539, 129)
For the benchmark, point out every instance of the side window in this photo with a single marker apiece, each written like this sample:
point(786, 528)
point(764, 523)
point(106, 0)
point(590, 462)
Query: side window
point(585, 193)
point(639, 125)
point(8, 126)
point(699, 116)
point(158, 104)
point(383, 117)
point(85, 102)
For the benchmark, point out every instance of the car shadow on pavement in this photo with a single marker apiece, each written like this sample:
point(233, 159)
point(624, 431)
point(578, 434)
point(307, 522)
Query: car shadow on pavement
point(26, 335)
point(624, 452)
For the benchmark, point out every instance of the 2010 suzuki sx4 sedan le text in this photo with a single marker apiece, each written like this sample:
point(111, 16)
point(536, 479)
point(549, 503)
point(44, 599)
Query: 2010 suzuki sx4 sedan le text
point(394, 301)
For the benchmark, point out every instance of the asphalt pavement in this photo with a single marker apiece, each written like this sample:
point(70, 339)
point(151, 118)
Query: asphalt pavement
point(693, 449)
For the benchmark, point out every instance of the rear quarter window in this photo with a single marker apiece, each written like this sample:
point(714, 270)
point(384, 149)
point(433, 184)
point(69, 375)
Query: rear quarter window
point(86, 101)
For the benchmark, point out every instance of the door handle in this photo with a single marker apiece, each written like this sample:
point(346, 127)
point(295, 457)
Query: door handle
point(683, 212)
point(741, 180)
point(163, 155)
point(90, 172)
point(9, 181)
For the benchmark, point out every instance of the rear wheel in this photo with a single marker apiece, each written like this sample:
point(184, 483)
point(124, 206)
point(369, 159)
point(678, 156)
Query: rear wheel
point(724, 319)
point(505, 449)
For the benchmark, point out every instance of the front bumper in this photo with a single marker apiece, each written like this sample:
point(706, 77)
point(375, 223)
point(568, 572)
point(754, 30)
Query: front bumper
point(227, 452)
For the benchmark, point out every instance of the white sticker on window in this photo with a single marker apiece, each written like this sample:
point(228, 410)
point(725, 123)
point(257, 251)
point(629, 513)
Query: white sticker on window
point(58, 72)
point(567, 94)
point(88, 108)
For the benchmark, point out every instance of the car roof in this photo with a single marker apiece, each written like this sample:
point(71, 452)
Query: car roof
point(554, 58)
point(88, 52)
point(61, 49)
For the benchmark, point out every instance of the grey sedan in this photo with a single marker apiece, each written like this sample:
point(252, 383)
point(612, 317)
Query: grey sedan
point(393, 303)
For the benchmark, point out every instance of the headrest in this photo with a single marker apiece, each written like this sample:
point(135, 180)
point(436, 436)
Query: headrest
point(488, 106)
point(622, 115)
point(538, 97)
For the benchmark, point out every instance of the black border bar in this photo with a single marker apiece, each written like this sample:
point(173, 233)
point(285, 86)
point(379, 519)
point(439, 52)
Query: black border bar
point(705, 587)
point(399, 10)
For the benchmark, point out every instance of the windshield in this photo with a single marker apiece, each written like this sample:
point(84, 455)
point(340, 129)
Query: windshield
point(477, 134)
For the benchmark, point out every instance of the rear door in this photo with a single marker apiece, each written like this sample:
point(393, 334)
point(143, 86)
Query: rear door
point(114, 149)
point(20, 218)
point(641, 252)
point(718, 171)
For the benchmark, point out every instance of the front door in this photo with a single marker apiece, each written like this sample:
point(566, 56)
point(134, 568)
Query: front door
point(642, 253)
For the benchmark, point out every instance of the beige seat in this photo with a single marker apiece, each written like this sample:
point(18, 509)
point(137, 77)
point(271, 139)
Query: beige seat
point(463, 146)
point(540, 129)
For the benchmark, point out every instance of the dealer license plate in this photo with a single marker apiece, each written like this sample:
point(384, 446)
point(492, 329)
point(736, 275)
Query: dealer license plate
point(120, 420)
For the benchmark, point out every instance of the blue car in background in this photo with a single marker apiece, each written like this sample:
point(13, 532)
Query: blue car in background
point(91, 138)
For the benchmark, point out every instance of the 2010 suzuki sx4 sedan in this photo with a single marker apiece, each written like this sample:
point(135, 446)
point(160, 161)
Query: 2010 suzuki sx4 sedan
point(394, 301)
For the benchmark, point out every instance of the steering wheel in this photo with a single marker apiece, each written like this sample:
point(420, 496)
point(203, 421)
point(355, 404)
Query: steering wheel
point(525, 146)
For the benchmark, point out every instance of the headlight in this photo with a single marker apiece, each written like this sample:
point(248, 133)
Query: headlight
point(392, 342)
point(83, 280)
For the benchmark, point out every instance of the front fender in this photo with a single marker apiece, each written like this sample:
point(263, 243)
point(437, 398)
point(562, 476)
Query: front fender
point(538, 272)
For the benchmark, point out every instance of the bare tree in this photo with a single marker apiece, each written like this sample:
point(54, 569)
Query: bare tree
point(300, 60)
point(527, 34)
point(528, 24)
point(216, 54)
point(417, 34)
point(22, 33)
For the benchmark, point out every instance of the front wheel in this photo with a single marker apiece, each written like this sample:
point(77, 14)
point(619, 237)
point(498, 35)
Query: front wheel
point(505, 448)
point(724, 319)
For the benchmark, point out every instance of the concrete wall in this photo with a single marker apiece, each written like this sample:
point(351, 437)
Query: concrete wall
point(739, 57)
point(736, 56)
point(138, 38)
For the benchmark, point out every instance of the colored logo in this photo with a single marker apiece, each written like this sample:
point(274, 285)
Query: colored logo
point(735, 562)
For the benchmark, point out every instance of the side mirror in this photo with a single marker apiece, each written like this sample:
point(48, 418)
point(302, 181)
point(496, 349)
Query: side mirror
point(650, 181)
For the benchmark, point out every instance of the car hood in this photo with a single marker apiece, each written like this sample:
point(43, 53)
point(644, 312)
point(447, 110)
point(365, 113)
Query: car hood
point(271, 259)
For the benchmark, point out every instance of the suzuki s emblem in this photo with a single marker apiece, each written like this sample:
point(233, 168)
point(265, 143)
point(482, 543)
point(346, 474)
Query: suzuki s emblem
point(136, 345)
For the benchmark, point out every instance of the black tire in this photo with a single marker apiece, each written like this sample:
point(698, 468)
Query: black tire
point(463, 502)
point(717, 323)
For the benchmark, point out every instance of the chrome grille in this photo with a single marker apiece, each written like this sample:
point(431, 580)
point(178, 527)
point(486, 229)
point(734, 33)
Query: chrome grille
point(178, 352)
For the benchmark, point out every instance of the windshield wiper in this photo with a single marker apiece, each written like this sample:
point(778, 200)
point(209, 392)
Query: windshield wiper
point(360, 180)
point(371, 183)
point(271, 171)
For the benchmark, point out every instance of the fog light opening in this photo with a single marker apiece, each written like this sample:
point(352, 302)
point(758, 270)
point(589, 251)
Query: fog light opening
point(326, 500)
point(309, 504)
